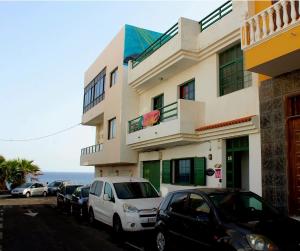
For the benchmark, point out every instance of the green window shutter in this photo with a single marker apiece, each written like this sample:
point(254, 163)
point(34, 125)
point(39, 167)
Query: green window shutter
point(200, 171)
point(166, 171)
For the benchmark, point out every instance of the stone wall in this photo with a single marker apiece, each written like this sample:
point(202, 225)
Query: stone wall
point(272, 95)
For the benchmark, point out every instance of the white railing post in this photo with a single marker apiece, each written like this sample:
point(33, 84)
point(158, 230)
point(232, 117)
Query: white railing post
point(293, 11)
point(285, 13)
point(278, 17)
point(271, 21)
point(251, 31)
point(257, 28)
point(264, 23)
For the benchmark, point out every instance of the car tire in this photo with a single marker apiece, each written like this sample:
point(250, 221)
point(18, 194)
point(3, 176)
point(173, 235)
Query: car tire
point(91, 217)
point(45, 194)
point(161, 241)
point(117, 229)
point(27, 195)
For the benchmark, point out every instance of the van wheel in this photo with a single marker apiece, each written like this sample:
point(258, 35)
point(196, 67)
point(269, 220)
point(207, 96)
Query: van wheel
point(117, 229)
point(161, 241)
point(27, 194)
point(91, 217)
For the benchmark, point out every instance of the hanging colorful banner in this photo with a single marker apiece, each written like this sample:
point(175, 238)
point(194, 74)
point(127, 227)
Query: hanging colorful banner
point(151, 118)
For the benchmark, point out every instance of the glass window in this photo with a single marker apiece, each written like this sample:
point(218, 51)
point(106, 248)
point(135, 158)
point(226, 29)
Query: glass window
point(113, 77)
point(187, 90)
point(231, 71)
point(112, 128)
point(198, 206)
point(85, 192)
point(183, 171)
point(178, 203)
point(70, 189)
point(158, 102)
point(98, 189)
point(93, 187)
point(242, 207)
point(135, 190)
point(108, 190)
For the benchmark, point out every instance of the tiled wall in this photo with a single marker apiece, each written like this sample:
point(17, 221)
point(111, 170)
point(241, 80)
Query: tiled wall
point(272, 95)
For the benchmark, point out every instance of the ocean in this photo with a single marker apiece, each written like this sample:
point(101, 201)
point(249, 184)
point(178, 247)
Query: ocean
point(74, 177)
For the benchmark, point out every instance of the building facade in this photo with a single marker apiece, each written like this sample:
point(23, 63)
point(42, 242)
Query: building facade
point(107, 104)
point(197, 118)
point(271, 45)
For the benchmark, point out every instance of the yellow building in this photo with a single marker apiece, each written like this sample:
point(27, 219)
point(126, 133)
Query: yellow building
point(270, 39)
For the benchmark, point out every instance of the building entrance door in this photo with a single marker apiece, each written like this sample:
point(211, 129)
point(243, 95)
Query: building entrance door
point(294, 154)
point(237, 163)
point(151, 172)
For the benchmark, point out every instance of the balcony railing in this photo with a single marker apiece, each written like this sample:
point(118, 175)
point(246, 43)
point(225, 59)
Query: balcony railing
point(269, 21)
point(164, 38)
point(216, 15)
point(92, 149)
point(167, 112)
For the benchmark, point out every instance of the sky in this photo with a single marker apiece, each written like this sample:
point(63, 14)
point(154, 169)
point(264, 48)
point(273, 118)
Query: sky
point(45, 48)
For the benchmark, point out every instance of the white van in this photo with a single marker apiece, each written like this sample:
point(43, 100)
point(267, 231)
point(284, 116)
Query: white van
point(125, 203)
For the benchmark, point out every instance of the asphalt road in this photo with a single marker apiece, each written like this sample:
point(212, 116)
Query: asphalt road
point(39, 226)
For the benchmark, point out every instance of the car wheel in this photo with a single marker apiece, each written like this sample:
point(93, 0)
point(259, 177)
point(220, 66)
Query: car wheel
point(117, 228)
point(45, 194)
point(27, 194)
point(161, 241)
point(91, 217)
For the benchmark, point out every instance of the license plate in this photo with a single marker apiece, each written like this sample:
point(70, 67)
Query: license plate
point(152, 220)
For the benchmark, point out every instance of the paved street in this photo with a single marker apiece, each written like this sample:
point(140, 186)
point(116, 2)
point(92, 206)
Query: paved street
point(31, 226)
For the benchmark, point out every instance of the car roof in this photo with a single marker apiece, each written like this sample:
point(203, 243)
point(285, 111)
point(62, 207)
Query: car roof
point(121, 179)
point(212, 190)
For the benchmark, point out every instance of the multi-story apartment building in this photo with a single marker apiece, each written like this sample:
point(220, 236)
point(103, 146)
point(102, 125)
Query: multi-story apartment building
point(271, 45)
point(196, 122)
point(108, 101)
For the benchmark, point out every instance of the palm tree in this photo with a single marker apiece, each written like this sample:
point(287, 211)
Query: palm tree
point(19, 169)
point(3, 173)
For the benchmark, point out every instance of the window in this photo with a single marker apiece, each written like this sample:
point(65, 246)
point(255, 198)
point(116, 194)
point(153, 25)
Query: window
point(158, 102)
point(231, 71)
point(179, 203)
point(198, 206)
point(94, 92)
point(93, 187)
point(184, 171)
point(112, 128)
point(187, 90)
point(189, 171)
point(135, 190)
point(108, 191)
point(113, 77)
point(98, 188)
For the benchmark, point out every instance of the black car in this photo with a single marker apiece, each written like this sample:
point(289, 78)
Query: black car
point(223, 219)
point(64, 196)
point(79, 201)
point(53, 186)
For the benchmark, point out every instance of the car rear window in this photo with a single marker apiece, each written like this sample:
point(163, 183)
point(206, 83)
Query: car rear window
point(70, 189)
point(85, 192)
point(135, 190)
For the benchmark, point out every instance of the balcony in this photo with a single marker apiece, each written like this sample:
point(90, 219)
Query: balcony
point(271, 40)
point(176, 126)
point(177, 49)
point(90, 155)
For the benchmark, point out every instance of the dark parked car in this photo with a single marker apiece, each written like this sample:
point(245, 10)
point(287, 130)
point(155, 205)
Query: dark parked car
point(79, 201)
point(53, 186)
point(222, 219)
point(64, 196)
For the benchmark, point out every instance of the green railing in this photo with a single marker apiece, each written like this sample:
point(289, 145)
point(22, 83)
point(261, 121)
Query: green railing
point(216, 15)
point(91, 149)
point(166, 112)
point(164, 38)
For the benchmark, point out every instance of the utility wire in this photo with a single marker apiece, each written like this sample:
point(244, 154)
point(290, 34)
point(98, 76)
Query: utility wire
point(41, 137)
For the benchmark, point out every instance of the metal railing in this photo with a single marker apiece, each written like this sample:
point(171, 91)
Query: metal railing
point(166, 112)
point(216, 15)
point(94, 102)
point(164, 38)
point(92, 149)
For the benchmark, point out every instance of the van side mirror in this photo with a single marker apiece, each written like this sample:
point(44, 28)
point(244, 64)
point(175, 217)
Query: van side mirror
point(106, 197)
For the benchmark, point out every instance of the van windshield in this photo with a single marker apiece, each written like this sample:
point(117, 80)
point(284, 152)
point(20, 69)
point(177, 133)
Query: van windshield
point(135, 190)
